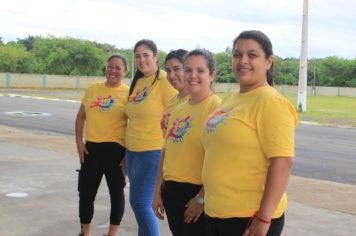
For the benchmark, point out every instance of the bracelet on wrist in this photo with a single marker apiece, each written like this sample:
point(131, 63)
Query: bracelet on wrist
point(263, 220)
point(255, 215)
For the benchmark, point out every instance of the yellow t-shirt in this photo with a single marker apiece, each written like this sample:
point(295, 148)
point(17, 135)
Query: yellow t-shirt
point(104, 109)
point(240, 137)
point(172, 104)
point(184, 154)
point(144, 110)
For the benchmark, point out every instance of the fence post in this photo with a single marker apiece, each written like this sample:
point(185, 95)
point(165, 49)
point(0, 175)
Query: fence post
point(7, 80)
point(77, 82)
point(44, 81)
point(338, 91)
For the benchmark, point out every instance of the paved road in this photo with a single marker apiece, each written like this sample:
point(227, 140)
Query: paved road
point(61, 118)
point(51, 207)
point(326, 153)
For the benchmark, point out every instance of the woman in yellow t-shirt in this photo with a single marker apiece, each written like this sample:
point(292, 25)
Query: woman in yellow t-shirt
point(102, 115)
point(178, 190)
point(249, 147)
point(149, 94)
point(174, 68)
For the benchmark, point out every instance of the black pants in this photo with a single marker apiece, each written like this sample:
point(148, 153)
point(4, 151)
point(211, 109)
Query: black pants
point(103, 159)
point(237, 226)
point(175, 196)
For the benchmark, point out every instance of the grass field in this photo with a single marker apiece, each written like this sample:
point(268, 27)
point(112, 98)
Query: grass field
point(325, 110)
point(329, 110)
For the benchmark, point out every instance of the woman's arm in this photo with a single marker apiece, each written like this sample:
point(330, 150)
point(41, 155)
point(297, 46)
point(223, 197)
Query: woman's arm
point(157, 203)
point(276, 183)
point(79, 130)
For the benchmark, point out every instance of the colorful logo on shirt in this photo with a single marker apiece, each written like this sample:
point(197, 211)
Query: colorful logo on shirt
point(179, 129)
point(139, 95)
point(215, 119)
point(164, 120)
point(103, 103)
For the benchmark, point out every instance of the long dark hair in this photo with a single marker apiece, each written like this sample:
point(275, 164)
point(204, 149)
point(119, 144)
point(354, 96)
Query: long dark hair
point(177, 54)
point(266, 46)
point(138, 74)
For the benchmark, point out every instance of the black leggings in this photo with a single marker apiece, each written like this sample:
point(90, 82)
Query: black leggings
point(102, 159)
point(175, 196)
point(237, 226)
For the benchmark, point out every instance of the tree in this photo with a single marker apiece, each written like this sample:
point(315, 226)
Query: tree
point(105, 47)
point(223, 67)
point(15, 58)
point(286, 71)
point(28, 42)
point(332, 71)
point(161, 57)
point(68, 56)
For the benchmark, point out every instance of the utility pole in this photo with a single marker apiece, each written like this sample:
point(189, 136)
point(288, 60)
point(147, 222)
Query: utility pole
point(303, 62)
point(314, 81)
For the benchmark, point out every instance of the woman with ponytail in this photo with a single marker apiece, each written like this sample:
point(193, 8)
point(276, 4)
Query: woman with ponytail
point(149, 95)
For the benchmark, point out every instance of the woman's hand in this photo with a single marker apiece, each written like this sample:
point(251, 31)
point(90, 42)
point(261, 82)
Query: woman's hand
point(256, 228)
point(193, 211)
point(123, 166)
point(157, 206)
point(82, 150)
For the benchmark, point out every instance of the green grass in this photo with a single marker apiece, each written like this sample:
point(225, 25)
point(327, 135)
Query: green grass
point(328, 110)
point(325, 110)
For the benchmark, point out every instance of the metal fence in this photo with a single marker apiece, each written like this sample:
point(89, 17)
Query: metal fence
point(37, 81)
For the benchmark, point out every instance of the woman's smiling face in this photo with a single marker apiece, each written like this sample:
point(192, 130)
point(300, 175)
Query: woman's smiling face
point(249, 64)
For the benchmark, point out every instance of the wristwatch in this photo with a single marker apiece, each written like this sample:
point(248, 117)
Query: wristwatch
point(199, 199)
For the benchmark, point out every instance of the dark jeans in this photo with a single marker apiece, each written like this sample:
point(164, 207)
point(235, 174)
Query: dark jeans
point(175, 196)
point(103, 159)
point(236, 226)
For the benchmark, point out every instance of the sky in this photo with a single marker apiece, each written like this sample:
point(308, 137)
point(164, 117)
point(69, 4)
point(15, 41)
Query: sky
point(172, 24)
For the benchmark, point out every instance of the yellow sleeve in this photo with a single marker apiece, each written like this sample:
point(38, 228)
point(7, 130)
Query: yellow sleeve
point(87, 94)
point(276, 123)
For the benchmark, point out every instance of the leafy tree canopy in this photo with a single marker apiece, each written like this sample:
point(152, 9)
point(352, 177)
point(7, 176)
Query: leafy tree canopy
point(71, 56)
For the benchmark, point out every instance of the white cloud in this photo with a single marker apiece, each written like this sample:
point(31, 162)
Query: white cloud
point(212, 24)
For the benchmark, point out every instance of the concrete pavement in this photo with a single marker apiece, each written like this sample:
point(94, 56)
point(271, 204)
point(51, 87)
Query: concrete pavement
point(43, 166)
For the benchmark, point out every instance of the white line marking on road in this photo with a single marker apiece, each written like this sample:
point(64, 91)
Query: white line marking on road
point(16, 195)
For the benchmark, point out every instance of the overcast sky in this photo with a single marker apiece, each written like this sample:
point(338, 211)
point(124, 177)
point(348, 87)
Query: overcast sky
point(211, 24)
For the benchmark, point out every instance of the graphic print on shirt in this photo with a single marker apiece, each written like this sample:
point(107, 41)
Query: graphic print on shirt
point(140, 95)
point(103, 103)
point(164, 120)
point(216, 119)
point(179, 129)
